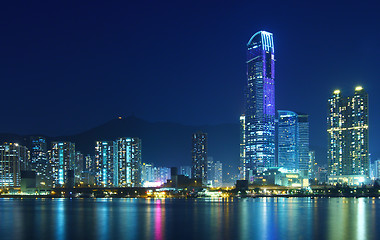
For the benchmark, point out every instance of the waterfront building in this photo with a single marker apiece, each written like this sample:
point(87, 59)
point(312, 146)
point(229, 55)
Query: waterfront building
point(38, 158)
point(14, 158)
point(62, 161)
point(210, 171)
point(283, 177)
point(162, 174)
point(105, 159)
point(78, 167)
point(375, 170)
point(185, 170)
point(128, 162)
point(287, 140)
point(260, 105)
point(292, 141)
point(242, 163)
point(89, 164)
point(218, 174)
point(312, 165)
point(348, 136)
point(199, 156)
point(154, 176)
point(303, 143)
point(147, 173)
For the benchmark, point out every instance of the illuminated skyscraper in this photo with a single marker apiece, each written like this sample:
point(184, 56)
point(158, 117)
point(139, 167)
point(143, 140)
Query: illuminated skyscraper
point(347, 125)
point(293, 141)
point(312, 164)
point(62, 161)
point(105, 160)
point(287, 140)
point(38, 155)
point(13, 159)
point(199, 156)
point(242, 164)
point(218, 175)
point(128, 162)
point(303, 143)
point(260, 104)
point(185, 170)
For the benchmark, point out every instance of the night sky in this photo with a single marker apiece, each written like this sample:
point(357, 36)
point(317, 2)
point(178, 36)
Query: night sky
point(69, 66)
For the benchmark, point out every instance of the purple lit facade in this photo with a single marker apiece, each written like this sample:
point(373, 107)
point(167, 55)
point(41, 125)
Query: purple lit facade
point(260, 105)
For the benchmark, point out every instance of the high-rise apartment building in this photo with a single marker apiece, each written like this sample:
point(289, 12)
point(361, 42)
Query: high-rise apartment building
point(312, 164)
point(303, 143)
point(210, 170)
point(185, 170)
point(128, 162)
point(292, 141)
point(78, 166)
point(105, 160)
point(199, 156)
point(242, 164)
point(218, 174)
point(62, 161)
point(260, 104)
point(13, 159)
point(287, 140)
point(347, 130)
point(38, 158)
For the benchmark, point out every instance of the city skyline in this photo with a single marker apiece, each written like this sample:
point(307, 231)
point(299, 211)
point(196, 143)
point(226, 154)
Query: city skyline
point(217, 50)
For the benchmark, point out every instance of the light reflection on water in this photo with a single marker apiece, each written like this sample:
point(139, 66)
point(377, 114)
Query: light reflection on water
point(159, 219)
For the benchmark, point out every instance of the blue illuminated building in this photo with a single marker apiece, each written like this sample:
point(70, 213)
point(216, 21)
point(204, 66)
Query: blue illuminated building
point(303, 145)
point(260, 105)
point(199, 156)
point(128, 165)
point(62, 161)
point(13, 159)
point(38, 155)
point(292, 141)
point(287, 140)
point(105, 159)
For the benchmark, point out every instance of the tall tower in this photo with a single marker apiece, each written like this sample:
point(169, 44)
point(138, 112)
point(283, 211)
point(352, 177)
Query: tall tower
point(62, 161)
point(242, 164)
point(199, 156)
point(13, 159)
point(303, 143)
point(287, 140)
point(347, 124)
point(128, 162)
point(260, 104)
point(105, 160)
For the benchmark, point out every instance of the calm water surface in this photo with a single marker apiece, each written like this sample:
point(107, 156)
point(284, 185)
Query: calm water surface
point(261, 218)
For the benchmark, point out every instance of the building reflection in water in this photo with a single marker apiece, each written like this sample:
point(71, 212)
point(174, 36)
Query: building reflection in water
point(260, 218)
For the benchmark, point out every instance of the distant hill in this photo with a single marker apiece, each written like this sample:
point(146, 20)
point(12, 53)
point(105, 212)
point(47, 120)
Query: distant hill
point(164, 144)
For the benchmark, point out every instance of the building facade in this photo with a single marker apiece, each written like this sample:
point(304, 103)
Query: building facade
point(105, 159)
point(218, 174)
point(62, 161)
point(13, 159)
point(260, 104)
point(185, 170)
point(348, 134)
point(287, 140)
point(292, 141)
point(128, 162)
point(242, 164)
point(199, 156)
point(303, 143)
point(312, 165)
point(39, 159)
